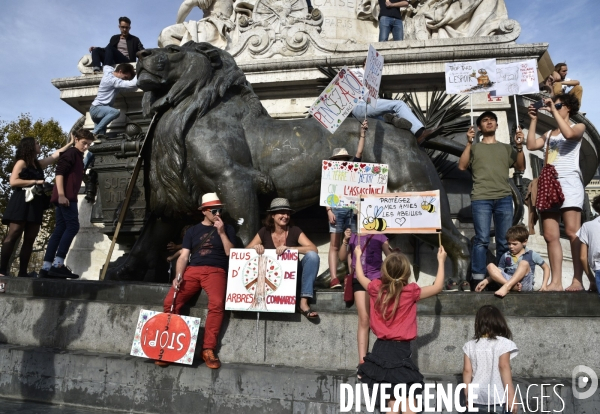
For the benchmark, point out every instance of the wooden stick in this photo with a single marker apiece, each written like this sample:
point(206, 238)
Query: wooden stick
point(471, 109)
point(125, 205)
point(358, 223)
point(440, 238)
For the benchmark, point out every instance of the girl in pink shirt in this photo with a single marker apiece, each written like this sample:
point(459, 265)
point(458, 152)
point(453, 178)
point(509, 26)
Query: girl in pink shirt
point(393, 319)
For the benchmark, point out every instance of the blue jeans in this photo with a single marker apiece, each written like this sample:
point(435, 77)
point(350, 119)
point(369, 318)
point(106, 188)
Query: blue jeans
point(67, 227)
point(344, 219)
point(501, 211)
point(307, 273)
point(102, 116)
point(390, 24)
point(388, 106)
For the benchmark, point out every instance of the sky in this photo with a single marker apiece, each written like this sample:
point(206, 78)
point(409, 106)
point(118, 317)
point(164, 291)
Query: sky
point(44, 39)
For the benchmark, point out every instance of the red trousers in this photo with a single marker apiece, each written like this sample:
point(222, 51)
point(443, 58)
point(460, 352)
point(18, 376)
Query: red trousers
point(214, 282)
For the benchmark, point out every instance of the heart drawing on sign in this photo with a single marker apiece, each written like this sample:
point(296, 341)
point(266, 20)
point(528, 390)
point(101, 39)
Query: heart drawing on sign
point(400, 221)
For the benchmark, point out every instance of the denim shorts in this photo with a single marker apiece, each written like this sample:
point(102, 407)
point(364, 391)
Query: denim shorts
point(344, 219)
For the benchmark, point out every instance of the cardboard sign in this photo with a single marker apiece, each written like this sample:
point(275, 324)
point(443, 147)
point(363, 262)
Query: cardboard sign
point(265, 283)
point(414, 212)
point(471, 77)
point(342, 182)
point(165, 337)
point(517, 78)
point(372, 79)
point(337, 100)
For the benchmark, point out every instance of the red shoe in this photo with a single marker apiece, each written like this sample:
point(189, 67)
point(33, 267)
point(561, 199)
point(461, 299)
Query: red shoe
point(162, 363)
point(212, 361)
point(335, 283)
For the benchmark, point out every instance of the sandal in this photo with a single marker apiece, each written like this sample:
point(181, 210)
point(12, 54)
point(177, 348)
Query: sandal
point(307, 313)
point(465, 286)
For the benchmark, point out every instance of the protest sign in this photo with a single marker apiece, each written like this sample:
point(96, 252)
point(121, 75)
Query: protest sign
point(338, 100)
point(165, 337)
point(470, 77)
point(343, 181)
point(262, 283)
point(372, 79)
point(413, 212)
point(517, 78)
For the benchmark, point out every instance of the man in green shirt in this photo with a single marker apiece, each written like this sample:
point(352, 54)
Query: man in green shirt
point(490, 162)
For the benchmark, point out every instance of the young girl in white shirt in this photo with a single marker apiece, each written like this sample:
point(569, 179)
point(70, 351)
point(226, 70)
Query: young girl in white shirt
point(487, 362)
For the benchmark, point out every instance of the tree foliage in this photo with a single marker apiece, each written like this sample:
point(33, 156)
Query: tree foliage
point(51, 136)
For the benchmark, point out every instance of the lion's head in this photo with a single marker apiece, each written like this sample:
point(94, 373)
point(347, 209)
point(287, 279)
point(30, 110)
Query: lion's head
point(197, 72)
point(186, 81)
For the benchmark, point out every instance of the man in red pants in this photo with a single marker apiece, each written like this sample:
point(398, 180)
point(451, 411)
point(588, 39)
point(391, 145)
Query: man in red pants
point(203, 263)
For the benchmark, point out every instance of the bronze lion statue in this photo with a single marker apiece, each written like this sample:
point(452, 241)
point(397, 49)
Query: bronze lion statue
point(214, 135)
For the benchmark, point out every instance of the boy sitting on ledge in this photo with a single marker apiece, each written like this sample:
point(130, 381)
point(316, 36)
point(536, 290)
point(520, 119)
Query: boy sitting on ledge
point(516, 267)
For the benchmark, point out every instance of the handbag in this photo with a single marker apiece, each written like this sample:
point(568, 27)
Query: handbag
point(549, 192)
point(348, 292)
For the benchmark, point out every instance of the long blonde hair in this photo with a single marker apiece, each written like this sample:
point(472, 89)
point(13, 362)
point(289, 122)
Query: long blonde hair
point(395, 272)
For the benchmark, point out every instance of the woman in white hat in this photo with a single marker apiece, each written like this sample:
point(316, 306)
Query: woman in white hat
point(279, 234)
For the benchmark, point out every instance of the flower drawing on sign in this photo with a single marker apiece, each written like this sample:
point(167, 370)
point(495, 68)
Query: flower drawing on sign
point(376, 169)
point(262, 276)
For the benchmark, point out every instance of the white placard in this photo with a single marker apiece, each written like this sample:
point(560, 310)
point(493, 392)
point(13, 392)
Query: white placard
point(470, 77)
point(517, 78)
point(372, 79)
point(262, 283)
point(414, 212)
point(338, 100)
point(342, 182)
point(165, 337)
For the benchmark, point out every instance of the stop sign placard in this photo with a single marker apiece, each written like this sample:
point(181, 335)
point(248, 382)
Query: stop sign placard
point(165, 337)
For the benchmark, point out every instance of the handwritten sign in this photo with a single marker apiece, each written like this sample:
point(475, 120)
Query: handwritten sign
point(517, 78)
point(337, 100)
point(165, 337)
point(471, 77)
point(342, 182)
point(262, 283)
point(372, 79)
point(414, 212)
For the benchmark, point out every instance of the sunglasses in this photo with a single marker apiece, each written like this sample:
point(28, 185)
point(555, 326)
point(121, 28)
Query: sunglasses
point(125, 27)
point(215, 211)
point(559, 106)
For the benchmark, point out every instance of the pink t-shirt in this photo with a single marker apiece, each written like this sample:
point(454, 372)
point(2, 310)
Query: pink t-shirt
point(403, 325)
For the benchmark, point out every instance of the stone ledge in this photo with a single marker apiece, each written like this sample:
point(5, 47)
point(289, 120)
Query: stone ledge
point(119, 383)
point(525, 304)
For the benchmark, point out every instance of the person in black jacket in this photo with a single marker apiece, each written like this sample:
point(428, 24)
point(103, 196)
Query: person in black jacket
point(120, 49)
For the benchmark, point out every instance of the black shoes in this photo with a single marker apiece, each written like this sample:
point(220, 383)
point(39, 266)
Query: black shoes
point(43, 273)
point(62, 272)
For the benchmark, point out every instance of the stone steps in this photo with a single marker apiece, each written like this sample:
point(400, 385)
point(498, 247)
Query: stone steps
point(121, 383)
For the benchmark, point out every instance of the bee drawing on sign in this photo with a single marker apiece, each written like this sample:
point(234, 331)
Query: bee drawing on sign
point(375, 222)
point(427, 205)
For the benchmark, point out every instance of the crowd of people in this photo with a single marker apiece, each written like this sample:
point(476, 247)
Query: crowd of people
point(385, 299)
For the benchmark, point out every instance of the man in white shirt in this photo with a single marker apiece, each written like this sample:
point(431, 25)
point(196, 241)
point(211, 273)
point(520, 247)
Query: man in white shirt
point(114, 79)
point(589, 235)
